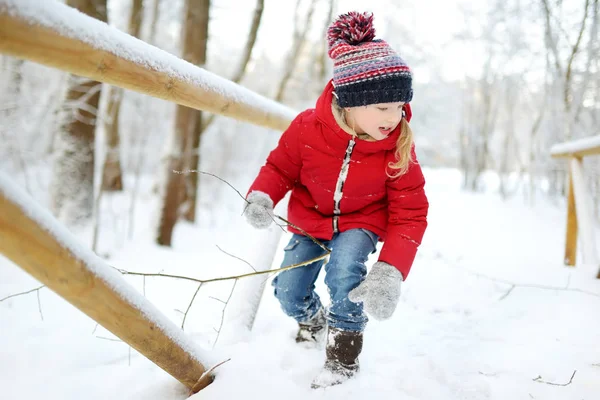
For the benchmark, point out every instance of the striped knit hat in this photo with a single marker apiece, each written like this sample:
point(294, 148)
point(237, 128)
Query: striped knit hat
point(365, 71)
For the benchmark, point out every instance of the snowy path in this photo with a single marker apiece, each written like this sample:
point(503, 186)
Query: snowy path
point(462, 330)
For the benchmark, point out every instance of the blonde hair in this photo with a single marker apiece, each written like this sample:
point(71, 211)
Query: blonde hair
point(403, 152)
point(404, 144)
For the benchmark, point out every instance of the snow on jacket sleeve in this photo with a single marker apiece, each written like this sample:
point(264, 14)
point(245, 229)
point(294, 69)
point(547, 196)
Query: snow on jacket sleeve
point(282, 168)
point(407, 207)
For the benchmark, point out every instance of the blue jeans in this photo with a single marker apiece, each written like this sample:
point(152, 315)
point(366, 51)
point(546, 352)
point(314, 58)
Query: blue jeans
point(295, 288)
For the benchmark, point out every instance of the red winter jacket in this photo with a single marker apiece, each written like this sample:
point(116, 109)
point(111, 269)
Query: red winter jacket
point(308, 161)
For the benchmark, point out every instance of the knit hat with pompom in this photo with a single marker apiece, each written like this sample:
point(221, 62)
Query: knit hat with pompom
point(365, 70)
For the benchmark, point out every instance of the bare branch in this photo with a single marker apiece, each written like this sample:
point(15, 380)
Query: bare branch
point(223, 313)
point(519, 285)
point(226, 278)
point(204, 376)
point(238, 258)
point(39, 304)
point(189, 171)
point(22, 294)
point(189, 306)
point(539, 379)
point(110, 339)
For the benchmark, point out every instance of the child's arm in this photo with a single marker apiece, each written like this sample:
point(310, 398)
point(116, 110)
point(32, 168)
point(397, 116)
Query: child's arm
point(408, 208)
point(282, 168)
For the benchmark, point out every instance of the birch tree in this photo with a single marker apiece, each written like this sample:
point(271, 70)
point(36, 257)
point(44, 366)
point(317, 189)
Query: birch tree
point(72, 186)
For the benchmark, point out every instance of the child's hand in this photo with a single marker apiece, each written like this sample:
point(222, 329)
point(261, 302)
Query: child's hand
point(259, 210)
point(379, 291)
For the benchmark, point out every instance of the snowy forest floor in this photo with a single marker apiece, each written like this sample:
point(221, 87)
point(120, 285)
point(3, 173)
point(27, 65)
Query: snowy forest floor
point(488, 312)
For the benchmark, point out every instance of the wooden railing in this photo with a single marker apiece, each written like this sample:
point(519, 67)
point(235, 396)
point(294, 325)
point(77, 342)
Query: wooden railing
point(580, 218)
point(41, 31)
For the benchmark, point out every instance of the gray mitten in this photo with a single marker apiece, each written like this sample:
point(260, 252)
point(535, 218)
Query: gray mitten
point(259, 210)
point(380, 291)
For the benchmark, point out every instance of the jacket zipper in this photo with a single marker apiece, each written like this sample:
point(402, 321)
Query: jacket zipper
point(338, 194)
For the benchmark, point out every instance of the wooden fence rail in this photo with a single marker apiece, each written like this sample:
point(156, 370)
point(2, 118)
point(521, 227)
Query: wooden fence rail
point(41, 33)
point(35, 241)
point(580, 219)
point(55, 35)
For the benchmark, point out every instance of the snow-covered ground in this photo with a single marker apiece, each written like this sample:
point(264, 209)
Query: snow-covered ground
point(488, 312)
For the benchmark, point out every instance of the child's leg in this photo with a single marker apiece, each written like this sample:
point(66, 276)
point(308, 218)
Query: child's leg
point(294, 288)
point(344, 271)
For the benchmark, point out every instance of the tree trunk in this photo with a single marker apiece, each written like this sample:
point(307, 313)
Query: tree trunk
point(72, 187)
point(112, 179)
point(185, 135)
point(200, 17)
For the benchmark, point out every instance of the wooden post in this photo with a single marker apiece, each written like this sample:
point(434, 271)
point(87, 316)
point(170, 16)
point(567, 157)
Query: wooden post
point(158, 74)
point(571, 239)
point(585, 219)
point(36, 242)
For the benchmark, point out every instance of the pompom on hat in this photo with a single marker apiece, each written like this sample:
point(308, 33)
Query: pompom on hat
point(365, 70)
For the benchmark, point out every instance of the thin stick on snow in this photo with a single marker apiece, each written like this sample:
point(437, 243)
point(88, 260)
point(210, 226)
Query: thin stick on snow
point(22, 294)
point(189, 306)
point(226, 278)
point(223, 313)
point(206, 374)
point(539, 379)
point(236, 257)
point(39, 304)
point(109, 339)
point(321, 245)
point(531, 286)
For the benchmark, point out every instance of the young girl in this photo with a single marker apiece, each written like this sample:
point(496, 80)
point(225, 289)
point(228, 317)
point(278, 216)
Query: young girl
point(351, 166)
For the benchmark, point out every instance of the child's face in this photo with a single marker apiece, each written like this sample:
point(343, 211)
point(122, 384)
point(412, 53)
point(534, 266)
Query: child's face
point(376, 120)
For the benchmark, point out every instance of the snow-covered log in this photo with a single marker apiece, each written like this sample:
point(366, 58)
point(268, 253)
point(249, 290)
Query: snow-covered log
point(577, 148)
point(34, 240)
point(53, 34)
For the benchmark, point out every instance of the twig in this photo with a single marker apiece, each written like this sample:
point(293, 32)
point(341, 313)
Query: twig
point(189, 171)
point(22, 294)
point(542, 287)
point(226, 278)
point(539, 379)
point(214, 298)
point(190, 306)
point(207, 373)
point(238, 258)
point(321, 245)
point(596, 365)
point(505, 295)
point(109, 339)
point(39, 304)
point(223, 313)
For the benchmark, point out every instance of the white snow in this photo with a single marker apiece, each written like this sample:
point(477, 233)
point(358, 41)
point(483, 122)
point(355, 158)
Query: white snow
point(74, 24)
point(576, 145)
point(97, 266)
point(488, 312)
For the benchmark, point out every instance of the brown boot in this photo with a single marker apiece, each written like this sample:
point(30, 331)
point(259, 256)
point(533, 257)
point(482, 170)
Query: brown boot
point(343, 349)
point(313, 330)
